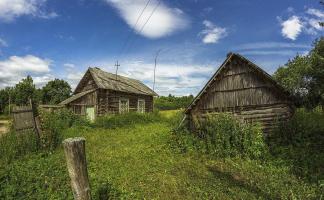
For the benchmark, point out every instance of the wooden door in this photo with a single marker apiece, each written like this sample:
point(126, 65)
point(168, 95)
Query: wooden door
point(90, 112)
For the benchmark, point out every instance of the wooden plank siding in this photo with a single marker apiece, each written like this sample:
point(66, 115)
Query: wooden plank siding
point(246, 92)
point(107, 102)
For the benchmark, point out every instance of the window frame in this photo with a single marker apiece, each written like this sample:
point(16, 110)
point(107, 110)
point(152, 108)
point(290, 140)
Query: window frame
point(138, 102)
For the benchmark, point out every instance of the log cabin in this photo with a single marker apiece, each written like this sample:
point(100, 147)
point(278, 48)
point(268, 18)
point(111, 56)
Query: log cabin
point(243, 89)
point(99, 93)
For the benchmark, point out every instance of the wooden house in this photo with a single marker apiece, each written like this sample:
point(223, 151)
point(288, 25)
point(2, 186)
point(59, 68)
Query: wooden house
point(99, 93)
point(242, 88)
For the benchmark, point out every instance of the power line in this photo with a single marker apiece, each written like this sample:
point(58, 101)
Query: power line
point(129, 35)
point(148, 19)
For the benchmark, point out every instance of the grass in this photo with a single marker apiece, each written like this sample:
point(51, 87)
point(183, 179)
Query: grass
point(139, 163)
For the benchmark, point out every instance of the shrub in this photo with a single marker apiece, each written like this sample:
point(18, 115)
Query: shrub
point(125, 120)
point(300, 141)
point(224, 136)
point(53, 125)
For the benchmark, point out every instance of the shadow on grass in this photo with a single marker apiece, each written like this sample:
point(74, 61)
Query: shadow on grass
point(237, 181)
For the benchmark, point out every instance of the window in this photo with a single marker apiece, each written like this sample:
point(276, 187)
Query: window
point(77, 110)
point(123, 105)
point(141, 106)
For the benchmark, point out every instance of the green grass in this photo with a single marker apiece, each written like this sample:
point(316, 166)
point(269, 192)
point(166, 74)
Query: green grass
point(139, 163)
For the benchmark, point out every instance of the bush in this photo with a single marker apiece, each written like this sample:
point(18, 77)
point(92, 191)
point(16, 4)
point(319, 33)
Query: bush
point(126, 120)
point(301, 141)
point(54, 123)
point(224, 136)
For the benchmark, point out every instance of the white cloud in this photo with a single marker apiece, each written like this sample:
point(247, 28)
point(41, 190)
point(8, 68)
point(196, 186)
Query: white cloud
point(315, 12)
point(171, 78)
point(307, 22)
point(291, 27)
point(72, 75)
point(163, 22)
point(11, 9)
point(15, 68)
point(212, 33)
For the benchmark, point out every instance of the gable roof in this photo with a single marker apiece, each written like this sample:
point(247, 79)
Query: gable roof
point(75, 97)
point(230, 57)
point(106, 80)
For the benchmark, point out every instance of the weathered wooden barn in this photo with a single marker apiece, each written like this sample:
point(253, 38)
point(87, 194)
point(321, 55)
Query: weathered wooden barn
point(242, 88)
point(99, 93)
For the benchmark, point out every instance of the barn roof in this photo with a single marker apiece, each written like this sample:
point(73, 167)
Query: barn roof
point(229, 58)
point(75, 97)
point(106, 80)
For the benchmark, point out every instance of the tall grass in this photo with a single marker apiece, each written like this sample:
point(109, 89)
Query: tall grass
point(125, 120)
point(300, 141)
point(14, 145)
point(224, 136)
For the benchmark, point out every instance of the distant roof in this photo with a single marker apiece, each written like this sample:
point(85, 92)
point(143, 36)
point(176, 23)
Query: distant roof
point(231, 56)
point(106, 80)
point(76, 96)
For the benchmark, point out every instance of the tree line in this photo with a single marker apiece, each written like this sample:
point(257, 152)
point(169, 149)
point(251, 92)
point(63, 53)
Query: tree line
point(54, 92)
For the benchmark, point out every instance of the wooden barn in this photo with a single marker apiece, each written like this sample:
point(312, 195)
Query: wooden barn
point(242, 88)
point(99, 93)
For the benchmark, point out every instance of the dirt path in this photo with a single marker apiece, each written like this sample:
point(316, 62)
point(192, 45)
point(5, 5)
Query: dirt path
point(4, 126)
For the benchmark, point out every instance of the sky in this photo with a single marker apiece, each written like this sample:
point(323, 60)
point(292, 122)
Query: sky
point(50, 39)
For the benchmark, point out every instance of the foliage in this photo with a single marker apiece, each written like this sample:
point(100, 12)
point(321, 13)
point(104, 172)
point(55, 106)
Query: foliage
point(125, 120)
point(137, 163)
point(301, 142)
point(225, 136)
point(53, 124)
point(14, 145)
point(55, 91)
point(171, 102)
point(52, 93)
point(303, 76)
point(24, 91)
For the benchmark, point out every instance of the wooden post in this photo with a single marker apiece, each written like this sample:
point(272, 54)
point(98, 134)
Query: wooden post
point(74, 149)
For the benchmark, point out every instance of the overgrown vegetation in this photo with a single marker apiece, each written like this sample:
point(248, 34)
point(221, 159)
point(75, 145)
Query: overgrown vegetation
point(135, 162)
point(224, 136)
point(301, 142)
point(126, 120)
point(172, 102)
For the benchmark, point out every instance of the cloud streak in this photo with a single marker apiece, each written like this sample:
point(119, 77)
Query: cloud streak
point(163, 22)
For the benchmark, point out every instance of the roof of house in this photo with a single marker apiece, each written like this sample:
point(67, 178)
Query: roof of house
point(231, 56)
point(75, 97)
point(106, 80)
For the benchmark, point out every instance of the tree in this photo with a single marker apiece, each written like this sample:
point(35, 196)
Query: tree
point(24, 91)
point(5, 94)
point(303, 76)
point(55, 91)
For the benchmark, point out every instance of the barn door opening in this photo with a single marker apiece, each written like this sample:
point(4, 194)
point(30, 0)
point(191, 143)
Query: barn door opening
point(90, 112)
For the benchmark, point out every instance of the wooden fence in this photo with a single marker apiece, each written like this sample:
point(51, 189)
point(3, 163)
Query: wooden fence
point(23, 118)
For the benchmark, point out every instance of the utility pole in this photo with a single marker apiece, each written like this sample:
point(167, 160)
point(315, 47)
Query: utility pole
point(155, 61)
point(117, 65)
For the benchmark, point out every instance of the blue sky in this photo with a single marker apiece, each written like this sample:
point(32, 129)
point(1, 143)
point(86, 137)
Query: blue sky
point(60, 39)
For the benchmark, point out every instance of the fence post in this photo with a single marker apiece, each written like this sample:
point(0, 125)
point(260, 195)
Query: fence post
point(74, 149)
